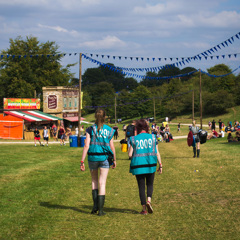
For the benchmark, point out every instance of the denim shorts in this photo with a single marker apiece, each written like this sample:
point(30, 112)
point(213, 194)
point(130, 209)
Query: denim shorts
point(98, 164)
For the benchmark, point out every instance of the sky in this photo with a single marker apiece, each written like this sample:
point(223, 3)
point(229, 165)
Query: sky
point(128, 28)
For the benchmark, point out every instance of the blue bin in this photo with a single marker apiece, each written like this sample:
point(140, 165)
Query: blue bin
point(73, 140)
point(82, 141)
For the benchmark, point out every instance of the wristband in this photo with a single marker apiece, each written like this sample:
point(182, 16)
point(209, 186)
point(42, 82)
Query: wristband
point(82, 162)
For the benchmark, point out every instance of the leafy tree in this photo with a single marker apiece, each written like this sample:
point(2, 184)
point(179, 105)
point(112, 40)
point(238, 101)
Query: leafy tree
point(185, 71)
point(143, 105)
point(92, 76)
point(217, 102)
point(169, 71)
point(217, 83)
point(30, 65)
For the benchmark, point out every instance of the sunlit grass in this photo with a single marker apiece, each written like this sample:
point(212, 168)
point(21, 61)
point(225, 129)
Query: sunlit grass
point(45, 196)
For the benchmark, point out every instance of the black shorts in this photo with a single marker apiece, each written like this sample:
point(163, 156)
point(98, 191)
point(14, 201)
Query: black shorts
point(45, 138)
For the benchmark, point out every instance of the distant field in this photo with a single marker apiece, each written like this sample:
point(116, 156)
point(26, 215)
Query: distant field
point(45, 196)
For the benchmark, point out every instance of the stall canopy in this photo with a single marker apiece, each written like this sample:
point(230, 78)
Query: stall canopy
point(33, 116)
point(74, 119)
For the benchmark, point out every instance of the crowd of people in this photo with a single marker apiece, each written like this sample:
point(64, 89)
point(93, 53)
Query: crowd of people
point(60, 134)
point(229, 129)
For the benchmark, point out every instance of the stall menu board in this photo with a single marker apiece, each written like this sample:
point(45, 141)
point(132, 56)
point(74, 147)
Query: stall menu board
point(52, 102)
point(21, 103)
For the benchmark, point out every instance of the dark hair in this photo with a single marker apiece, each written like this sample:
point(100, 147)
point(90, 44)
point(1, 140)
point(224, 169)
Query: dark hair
point(100, 118)
point(141, 125)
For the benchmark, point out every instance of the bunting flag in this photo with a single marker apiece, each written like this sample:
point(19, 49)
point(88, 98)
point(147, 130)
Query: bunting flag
point(204, 53)
point(216, 76)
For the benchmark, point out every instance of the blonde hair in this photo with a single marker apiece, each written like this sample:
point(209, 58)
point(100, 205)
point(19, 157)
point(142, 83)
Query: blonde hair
point(194, 123)
point(100, 118)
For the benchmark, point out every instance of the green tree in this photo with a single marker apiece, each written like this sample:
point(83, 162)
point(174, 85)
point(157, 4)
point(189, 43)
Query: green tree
point(28, 65)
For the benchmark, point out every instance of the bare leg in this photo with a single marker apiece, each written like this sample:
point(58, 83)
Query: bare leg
point(94, 174)
point(103, 180)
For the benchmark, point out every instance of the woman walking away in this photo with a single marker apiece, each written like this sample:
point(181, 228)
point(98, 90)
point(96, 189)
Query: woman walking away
point(144, 157)
point(196, 141)
point(99, 145)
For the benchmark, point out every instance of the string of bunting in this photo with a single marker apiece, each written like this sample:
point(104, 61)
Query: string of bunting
point(119, 70)
point(215, 76)
point(205, 54)
point(123, 72)
point(141, 101)
point(156, 69)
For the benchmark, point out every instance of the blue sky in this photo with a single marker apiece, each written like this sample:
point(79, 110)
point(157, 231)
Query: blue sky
point(133, 28)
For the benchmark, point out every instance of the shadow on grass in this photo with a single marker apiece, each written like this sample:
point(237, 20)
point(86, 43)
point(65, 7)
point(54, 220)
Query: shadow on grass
point(57, 206)
point(120, 210)
point(230, 143)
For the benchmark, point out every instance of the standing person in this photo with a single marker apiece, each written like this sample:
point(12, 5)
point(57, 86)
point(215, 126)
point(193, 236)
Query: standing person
point(130, 131)
point(116, 132)
point(45, 135)
point(213, 124)
point(54, 131)
point(99, 142)
point(220, 125)
point(178, 127)
point(144, 157)
point(36, 136)
point(62, 135)
point(195, 132)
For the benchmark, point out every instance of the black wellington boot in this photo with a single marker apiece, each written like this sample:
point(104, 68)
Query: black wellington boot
point(95, 201)
point(194, 151)
point(198, 153)
point(101, 199)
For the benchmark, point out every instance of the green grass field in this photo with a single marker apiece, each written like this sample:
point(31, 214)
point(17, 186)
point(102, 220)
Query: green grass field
point(44, 195)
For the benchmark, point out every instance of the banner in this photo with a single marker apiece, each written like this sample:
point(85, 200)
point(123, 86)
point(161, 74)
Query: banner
point(21, 103)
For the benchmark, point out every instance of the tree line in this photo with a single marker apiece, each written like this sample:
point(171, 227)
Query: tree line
point(103, 87)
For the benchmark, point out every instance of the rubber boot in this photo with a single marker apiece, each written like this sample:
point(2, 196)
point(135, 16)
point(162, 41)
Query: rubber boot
point(95, 201)
point(198, 153)
point(101, 199)
point(194, 151)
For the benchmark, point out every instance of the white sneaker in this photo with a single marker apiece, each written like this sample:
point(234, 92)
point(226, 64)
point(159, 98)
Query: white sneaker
point(47, 145)
point(35, 145)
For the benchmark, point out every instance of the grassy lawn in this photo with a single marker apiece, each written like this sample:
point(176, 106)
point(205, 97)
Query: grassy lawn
point(43, 195)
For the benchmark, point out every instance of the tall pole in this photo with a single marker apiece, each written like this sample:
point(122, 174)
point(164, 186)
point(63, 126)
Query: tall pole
point(154, 112)
point(200, 95)
point(80, 93)
point(115, 109)
point(193, 105)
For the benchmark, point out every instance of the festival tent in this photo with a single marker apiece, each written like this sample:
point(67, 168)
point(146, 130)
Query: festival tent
point(11, 127)
point(33, 116)
point(74, 119)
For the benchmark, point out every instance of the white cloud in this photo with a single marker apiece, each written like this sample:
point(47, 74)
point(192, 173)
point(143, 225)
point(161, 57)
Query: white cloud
point(150, 9)
point(222, 19)
point(58, 29)
point(105, 43)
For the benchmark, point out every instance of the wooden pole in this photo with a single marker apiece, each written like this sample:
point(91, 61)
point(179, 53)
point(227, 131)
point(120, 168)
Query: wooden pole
point(35, 94)
point(80, 91)
point(115, 109)
point(200, 95)
point(193, 105)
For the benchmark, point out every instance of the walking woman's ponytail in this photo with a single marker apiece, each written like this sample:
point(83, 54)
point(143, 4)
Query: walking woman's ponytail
point(100, 118)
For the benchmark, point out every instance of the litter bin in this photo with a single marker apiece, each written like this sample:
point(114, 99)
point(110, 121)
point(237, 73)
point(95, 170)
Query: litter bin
point(82, 141)
point(73, 140)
